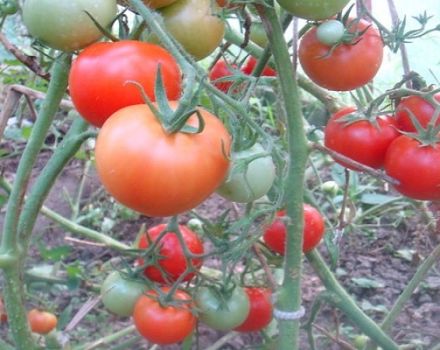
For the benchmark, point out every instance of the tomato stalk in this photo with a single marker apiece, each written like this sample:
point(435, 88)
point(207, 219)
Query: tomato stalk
point(289, 297)
point(342, 300)
point(13, 288)
point(406, 294)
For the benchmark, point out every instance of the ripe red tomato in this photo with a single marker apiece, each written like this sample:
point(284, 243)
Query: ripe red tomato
point(416, 167)
point(250, 65)
point(172, 262)
point(360, 140)
point(42, 322)
point(314, 227)
point(3, 315)
point(164, 324)
point(421, 109)
point(346, 67)
point(99, 77)
point(221, 69)
point(260, 313)
point(157, 173)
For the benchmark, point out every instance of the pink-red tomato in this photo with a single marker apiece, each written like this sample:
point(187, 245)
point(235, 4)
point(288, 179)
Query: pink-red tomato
point(158, 173)
point(164, 324)
point(260, 313)
point(172, 261)
point(416, 167)
point(419, 108)
point(250, 64)
point(275, 234)
point(221, 69)
point(361, 140)
point(347, 66)
point(3, 315)
point(100, 77)
point(41, 322)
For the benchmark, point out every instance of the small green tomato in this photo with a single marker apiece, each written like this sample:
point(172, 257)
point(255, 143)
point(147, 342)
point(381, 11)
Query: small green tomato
point(330, 32)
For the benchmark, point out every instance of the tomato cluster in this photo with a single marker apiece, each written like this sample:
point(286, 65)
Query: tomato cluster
point(392, 142)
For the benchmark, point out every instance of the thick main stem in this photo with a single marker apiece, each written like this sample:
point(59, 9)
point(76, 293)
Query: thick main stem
point(11, 246)
point(289, 296)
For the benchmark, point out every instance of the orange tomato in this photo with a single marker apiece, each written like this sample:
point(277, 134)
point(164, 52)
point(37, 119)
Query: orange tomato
point(158, 173)
point(42, 322)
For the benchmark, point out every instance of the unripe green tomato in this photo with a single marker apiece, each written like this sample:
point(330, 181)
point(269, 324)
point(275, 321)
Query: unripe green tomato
point(360, 341)
point(248, 181)
point(258, 34)
point(64, 24)
point(8, 7)
point(313, 9)
point(119, 294)
point(330, 187)
point(195, 25)
point(330, 32)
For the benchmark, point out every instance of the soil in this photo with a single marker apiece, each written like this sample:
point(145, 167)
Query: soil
point(373, 268)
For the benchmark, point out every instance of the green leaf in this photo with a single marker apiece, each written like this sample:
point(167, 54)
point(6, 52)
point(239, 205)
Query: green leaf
point(367, 306)
point(376, 198)
point(364, 282)
point(54, 254)
point(406, 254)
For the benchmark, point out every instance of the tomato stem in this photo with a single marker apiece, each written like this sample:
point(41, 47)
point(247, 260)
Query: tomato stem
point(13, 290)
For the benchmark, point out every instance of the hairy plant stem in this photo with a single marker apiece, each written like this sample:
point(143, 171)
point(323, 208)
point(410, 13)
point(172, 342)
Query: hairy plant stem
point(289, 296)
point(341, 299)
point(11, 245)
point(107, 339)
point(408, 291)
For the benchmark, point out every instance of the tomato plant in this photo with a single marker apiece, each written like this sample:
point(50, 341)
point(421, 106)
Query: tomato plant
point(346, 66)
point(314, 227)
point(64, 24)
point(250, 176)
point(172, 262)
point(260, 313)
point(361, 140)
point(415, 166)
point(250, 64)
point(155, 172)
point(41, 322)
point(154, 4)
point(164, 324)
point(222, 311)
point(185, 20)
point(313, 9)
point(119, 293)
point(417, 107)
point(99, 78)
point(222, 69)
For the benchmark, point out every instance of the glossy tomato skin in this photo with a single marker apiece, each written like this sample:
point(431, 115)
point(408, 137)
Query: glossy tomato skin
point(416, 167)
point(64, 25)
point(313, 9)
point(222, 312)
point(157, 173)
point(314, 227)
point(250, 65)
point(119, 294)
point(173, 261)
point(260, 314)
point(41, 322)
point(195, 25)
point(360, 140)
point(222, 69)
point(346, 67)
point(421, 109)
point(99, 78)
point(164, 324)
point(246, 183)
